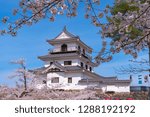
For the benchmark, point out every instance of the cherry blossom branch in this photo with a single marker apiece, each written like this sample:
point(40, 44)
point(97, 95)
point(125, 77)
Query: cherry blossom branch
point(50, 5)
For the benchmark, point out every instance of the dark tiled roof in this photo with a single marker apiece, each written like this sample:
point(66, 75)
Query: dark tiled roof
point(38, 70)
point(51, 56)
point(66, 68)
point(104, 81)
point(73, 68)
point(97, 78)
point(58, 65)
point(72, 37)
point(60, 68)
point(117, 81)
point(89, 80)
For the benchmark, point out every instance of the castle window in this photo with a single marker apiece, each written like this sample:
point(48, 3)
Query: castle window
point(79, 49)
point(44, 81)
point(51, 63)
point(86, 66)
point(83, 51)
point(81, 64)
point(67, 62)
point(55, 80)
point(54, 70)
point(140, 82)
point(69, 80)
point(90, 68)
point(64, 48)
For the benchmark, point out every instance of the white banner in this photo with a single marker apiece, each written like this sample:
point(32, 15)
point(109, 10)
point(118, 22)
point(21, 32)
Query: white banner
point(74, 108)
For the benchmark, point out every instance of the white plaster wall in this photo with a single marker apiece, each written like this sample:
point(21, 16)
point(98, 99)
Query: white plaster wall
point(118, 88)
point(75, 77)
point(57, 48)
point(63, 83)
point(51, 75)
point(74, 62)
point(63, 80)
point(105, 87)
point(71, 47)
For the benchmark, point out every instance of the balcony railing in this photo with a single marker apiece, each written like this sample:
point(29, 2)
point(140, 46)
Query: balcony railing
point(70, 50)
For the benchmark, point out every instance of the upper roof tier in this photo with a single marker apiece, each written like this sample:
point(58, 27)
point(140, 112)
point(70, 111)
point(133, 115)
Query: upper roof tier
point(67, 37)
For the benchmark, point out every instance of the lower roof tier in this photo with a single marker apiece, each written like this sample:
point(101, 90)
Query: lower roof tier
point(56, 57)
point(78, 69)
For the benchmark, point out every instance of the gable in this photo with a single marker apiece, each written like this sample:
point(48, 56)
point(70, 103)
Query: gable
point(53, 68)
point(63, 36)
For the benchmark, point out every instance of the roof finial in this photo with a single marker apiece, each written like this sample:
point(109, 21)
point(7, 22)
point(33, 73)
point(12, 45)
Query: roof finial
point(65, 28)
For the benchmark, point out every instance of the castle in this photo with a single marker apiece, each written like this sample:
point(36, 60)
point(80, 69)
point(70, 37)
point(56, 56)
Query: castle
point(69, 66)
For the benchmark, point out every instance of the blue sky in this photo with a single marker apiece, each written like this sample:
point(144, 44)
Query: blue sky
point(31, 42)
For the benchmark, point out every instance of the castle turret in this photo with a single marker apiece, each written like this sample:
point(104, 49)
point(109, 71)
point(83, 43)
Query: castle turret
point(69, 50)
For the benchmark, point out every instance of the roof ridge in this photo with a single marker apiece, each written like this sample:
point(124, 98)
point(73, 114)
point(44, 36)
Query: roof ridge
point(66, 32)
point(57, 65)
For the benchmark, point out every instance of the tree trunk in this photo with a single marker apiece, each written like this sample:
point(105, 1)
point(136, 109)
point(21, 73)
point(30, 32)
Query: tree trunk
point(25, 83)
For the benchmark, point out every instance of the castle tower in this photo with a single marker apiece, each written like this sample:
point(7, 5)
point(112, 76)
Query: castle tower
point(69, 65)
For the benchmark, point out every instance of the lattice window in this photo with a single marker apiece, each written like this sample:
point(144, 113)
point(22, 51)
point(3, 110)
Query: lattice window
point(70, 80)
point(55, 80)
